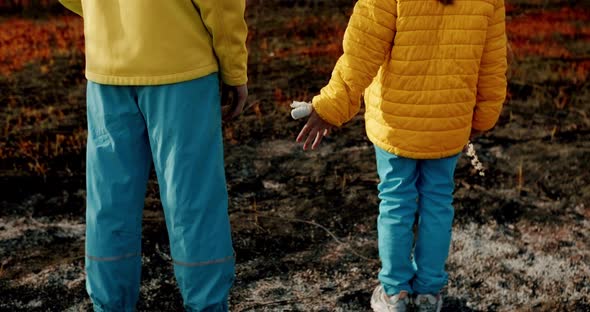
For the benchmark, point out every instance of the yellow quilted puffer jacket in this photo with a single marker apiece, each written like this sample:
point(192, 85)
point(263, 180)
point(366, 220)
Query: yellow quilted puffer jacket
point(429, 72)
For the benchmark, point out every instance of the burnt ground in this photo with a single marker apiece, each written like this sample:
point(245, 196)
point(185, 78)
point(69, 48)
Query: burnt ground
point(521, 233)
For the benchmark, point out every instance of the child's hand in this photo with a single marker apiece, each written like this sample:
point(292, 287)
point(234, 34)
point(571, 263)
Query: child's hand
point(233, 99)
point(315, 129)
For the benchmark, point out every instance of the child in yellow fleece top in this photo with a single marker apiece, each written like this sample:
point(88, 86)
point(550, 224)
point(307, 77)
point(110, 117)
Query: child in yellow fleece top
point(153, 69)
point(432, 74)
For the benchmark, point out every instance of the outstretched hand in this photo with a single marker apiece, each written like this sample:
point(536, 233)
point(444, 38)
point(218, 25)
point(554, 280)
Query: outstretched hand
point(314, 131)
point(233, 100)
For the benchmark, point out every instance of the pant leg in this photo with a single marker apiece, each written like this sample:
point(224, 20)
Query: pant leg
point(397, 191)
point(117, 168)
point(184, 124)
point(435, 186)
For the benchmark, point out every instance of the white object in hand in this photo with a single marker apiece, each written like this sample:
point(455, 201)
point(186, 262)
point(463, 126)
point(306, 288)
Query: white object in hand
point(300, 109)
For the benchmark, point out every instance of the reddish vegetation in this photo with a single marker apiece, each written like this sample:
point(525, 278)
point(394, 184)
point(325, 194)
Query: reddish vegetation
point(520, 237)
point(327, 42)
point(534, 33)
point(24, 40)
point(24, 3)
point(538, 33)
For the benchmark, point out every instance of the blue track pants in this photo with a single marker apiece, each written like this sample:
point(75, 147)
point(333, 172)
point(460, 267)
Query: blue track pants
point(178, 127)
point(410, 186)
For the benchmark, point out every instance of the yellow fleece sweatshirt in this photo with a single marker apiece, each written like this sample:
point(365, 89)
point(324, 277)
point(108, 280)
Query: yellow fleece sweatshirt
point(152, 42)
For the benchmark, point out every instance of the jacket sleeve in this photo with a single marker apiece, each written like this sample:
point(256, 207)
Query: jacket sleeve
point(367, 42)
point(73, 5)
point(491, 86)
point(225, 22)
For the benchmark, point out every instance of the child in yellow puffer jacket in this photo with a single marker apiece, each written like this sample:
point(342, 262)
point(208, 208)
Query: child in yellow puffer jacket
point(432, 73)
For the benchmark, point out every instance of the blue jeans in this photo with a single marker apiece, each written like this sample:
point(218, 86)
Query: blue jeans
point(178, 127)
point(410, 186)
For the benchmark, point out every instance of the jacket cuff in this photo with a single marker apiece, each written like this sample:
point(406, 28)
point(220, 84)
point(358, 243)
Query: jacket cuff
point(482, 125)
point(322, 107)
point(234, 80)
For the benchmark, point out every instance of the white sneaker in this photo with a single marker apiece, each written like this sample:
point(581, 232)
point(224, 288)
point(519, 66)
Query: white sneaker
point(381, 302)
point(428, 303)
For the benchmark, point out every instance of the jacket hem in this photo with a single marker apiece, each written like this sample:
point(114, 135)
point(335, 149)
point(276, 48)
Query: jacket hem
point(151, 80)
point(412, 154)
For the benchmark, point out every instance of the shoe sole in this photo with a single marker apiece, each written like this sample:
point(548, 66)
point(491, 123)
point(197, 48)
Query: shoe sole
point(378, 307)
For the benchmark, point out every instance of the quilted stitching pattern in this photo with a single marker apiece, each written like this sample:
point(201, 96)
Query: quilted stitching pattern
point(433, 72)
